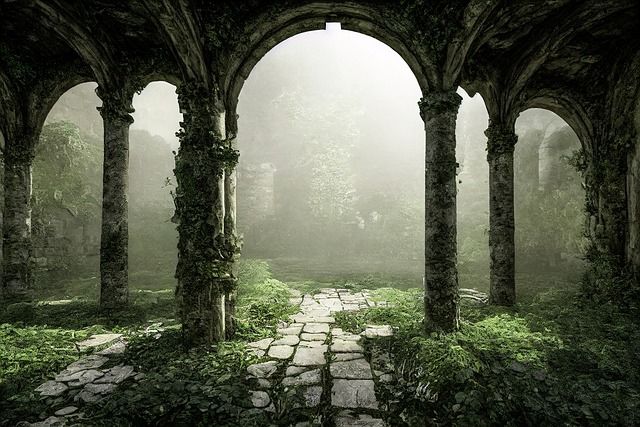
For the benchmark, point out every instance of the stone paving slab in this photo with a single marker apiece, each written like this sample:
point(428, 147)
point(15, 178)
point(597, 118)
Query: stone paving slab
point(353, 394)
point(281, 351)
point(98, 340)
point(310, 356)
point(316, 328)
point(343, 346)
point(358, 369)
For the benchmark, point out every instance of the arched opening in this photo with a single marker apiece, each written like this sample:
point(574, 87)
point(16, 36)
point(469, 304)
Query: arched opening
point(473, 193)
point(152, 235)
point(331, 173)
point(67, 196)
point(549, 202)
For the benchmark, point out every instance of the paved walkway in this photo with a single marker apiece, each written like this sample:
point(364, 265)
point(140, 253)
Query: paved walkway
point(312, 366)
point(321, 367)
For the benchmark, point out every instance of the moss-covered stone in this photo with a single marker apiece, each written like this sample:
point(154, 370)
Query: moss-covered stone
point(439, 111)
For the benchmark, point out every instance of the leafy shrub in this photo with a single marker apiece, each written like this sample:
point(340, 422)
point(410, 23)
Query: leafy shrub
point(252, 271)
point(606, 282)
point(557, 361)
point(204, 386)
point(261, 306)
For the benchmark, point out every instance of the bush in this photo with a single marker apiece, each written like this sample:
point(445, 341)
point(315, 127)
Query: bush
point(606, 282)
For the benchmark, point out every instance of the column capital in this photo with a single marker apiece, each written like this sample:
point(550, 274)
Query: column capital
point(435, 103)
point(116, 103)
point(501, 139)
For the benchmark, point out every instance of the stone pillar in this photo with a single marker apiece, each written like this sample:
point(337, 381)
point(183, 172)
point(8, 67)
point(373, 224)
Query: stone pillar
point(17, 275)
point(230, 227)
point(501, 141)
point(2, 148)
point(204, 263)
point(439, 111)
point(116, 112)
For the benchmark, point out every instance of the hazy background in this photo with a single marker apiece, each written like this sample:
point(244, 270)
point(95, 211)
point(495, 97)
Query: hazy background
point(331, 176)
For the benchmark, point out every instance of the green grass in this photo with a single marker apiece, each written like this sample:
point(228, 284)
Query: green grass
point(37, 341)
point(553, 360)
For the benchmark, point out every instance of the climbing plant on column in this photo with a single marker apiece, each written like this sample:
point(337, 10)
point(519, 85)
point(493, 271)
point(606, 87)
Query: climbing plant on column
point(204, 255)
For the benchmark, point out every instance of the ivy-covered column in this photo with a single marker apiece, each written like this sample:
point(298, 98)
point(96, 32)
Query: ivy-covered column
point(17, 275)
point(204, 263)
point(230, 228)
point(116, 112)
point(501, 141)
point(439, 111)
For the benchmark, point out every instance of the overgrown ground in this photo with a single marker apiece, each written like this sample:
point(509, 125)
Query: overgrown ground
point(554, 359)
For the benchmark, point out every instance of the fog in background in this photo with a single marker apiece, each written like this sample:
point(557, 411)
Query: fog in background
point(330, 180)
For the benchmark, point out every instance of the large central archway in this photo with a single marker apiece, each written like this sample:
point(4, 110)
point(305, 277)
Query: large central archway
point(438, 109)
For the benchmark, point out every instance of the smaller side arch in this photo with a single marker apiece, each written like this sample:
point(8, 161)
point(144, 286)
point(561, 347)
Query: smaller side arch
point(569, 110)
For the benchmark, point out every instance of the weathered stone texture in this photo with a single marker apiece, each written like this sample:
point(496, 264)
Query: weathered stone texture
point(501, 142)
point(204, 262)
point(439, 111)
point(114, 244)
point(17, 277)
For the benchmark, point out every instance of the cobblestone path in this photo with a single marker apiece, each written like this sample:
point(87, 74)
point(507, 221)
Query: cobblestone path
point(312, 367)
point(317, 365)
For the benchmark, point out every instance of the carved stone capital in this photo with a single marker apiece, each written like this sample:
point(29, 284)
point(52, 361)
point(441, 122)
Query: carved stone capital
point(116, 103)
point(501, 140)
point(436, 103)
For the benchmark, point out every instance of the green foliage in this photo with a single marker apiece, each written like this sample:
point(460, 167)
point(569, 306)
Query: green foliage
point(66, 173)
point(263, 302)
point(402, 310)
point(554, 362)
point(30, 356)
point(204, 386)
point(549, 220)
point(252, 271)
point(607, 282)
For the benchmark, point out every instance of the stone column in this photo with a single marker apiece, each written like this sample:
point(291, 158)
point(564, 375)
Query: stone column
point(501, 141)
point(230, 228)
point(116, 112)
point(2, 148)
point(204, 263)
point(17, 275)
point(439, 111)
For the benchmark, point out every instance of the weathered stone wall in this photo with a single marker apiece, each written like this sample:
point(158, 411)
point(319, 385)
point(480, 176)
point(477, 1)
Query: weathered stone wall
point(633, 194)
point(64, 240)
point(2, 145)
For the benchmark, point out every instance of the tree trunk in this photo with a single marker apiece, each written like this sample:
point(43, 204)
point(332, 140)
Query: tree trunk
point(439, 111)
point(500, 146)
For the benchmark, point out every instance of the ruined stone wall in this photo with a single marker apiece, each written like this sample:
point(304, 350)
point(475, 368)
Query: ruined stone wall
point(64, 241)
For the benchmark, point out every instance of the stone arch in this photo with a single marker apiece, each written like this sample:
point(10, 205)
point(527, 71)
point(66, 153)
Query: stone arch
point(542, 178)
point(56, 90)
point(270, 29)
point(569, 110)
